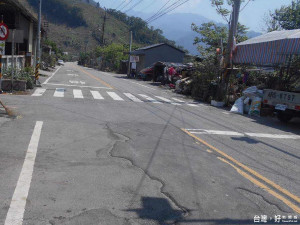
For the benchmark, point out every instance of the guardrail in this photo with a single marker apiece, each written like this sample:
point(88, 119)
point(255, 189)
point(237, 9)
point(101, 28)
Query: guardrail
point(19, 61)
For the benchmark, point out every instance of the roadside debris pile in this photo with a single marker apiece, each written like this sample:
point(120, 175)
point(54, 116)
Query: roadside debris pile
point(249, 103)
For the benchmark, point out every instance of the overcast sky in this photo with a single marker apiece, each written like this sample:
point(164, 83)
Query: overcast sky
point(252, 15)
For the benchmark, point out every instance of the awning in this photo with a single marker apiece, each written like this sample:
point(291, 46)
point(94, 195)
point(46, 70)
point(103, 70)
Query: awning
point(268, 49)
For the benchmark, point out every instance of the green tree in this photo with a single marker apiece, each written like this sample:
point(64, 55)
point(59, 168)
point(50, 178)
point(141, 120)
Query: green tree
point(111, 55)
point(211, 35)
point(222, 7)
point(287, 17)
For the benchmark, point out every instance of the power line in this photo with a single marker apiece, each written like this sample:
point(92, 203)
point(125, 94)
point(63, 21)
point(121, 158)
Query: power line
point(169, 8)
point(126, 5)
point(245, 5)
point(175, 6)
point(147, 6)
point(160, 9)
point(134, 6)
point(120, 4)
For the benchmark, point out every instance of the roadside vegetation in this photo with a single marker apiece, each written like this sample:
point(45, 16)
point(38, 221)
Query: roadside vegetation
point(214, 37)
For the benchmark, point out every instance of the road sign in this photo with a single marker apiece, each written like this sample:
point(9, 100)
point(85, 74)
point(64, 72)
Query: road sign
point(134, 58)
point(3, 31)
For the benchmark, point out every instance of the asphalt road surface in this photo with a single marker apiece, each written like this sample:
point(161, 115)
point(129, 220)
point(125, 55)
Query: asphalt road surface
point(90, 147)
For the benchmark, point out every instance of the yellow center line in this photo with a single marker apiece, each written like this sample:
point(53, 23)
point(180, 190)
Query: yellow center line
point(96, 78)
point(261, 185)
point(253, 172)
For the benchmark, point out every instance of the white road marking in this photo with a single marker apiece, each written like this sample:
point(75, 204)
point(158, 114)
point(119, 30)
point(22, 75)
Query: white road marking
point(233, 133)
point(226, 113)
point(178, 100)
point(96, 95)
point(132, 97)
point(73, 81)
point(143, 85)
point(193, 105)
point(46, 81)
point(70, 85)
point(76, 82)
point(167, 100)
point(59, 92)
point(39, 92)
point(77, 93)
point(275, 136)
point(18, 203)
point(164, 99)
point(114, 96)
point(217, 132)
point(150, 99)
point(72, 75)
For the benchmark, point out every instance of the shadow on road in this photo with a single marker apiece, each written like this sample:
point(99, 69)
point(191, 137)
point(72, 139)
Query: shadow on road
point(161, 211)
point(245, 139)
point(157, 209)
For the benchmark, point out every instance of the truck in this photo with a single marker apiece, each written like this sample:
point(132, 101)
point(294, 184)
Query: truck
point(286, 104)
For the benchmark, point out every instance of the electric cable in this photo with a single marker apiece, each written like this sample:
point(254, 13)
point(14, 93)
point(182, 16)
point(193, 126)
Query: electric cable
point(165, 12)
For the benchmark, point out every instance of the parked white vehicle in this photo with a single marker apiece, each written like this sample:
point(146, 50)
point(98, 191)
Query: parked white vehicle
point(286, 104)
point(60, 62)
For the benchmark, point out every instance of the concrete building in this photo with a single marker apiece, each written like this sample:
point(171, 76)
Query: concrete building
point(24, 24)
point(159, 52)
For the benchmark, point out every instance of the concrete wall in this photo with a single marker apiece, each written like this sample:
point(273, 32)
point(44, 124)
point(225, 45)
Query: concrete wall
point(163, 53)
point(141, 64)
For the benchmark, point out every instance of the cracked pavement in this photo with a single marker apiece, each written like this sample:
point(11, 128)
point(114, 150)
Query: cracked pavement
point(125, 162)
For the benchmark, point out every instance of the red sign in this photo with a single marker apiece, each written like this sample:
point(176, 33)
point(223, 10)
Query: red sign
point(3, 31)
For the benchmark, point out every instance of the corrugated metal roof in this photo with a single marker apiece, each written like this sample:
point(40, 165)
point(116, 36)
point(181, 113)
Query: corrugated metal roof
point(273, 36)
point(139, 50)
point(150, 46)
point(269, 49)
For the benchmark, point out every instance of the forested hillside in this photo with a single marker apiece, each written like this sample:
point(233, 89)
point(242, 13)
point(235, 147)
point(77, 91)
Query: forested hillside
point(77, 25)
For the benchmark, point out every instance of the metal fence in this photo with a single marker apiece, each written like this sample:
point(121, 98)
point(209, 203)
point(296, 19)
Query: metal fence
point(19, 61)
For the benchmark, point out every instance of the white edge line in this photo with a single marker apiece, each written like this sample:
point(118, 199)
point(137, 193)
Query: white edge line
point(275, 136)
point(16, 210)
point(233, 133)
point(70, 85)
point(46, 81)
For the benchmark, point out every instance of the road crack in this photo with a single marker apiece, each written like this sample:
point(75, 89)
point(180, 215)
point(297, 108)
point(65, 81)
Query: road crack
point(117, 137)
point(245, 192)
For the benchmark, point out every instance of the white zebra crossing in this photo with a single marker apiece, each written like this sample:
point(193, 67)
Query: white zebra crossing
point(132, 97)
point(167, 100)
point(77, 93)
point(59, 92)
point(150, 99)
point(96, 95)
point(39, 92)
point(192, 104)
point(114, 96)
point(178, 100)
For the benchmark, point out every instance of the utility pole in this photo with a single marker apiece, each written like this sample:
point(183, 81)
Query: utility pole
point(228, 56)
point(103, 27)
point(38, 52)
point(232, 34)
point(1, 62)
point(12, 59)
point(130, 46)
